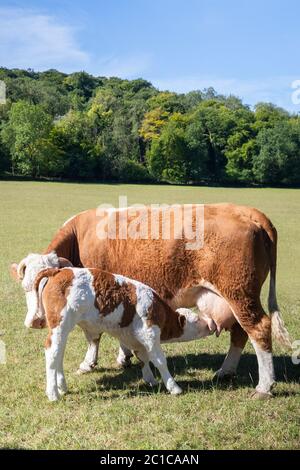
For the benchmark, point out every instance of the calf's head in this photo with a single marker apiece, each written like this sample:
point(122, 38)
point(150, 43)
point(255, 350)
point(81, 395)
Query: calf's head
point(195, 325)
point(26, 272)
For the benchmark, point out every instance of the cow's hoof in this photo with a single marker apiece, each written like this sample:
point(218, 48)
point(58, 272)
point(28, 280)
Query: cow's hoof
point(222, 375)
point(261, 395)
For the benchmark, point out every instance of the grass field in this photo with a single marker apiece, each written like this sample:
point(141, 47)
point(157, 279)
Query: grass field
point(112, 408)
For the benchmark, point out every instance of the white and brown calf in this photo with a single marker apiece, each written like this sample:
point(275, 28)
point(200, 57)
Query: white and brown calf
point(100, 302)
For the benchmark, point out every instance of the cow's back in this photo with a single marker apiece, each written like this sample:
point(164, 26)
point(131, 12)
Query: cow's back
point(233, 248)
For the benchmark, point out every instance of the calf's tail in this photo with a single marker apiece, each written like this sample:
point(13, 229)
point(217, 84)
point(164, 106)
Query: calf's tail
point(39, 283)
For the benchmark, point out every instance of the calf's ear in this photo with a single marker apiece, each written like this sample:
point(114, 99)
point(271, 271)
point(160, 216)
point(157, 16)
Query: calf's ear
point(13, 269)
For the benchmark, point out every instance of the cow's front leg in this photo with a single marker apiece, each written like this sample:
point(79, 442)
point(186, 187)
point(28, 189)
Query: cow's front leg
point(124, 356)
point(238, 339)
point(91, 358)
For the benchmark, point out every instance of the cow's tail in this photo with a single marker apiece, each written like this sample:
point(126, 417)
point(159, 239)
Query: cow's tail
point(279, 331)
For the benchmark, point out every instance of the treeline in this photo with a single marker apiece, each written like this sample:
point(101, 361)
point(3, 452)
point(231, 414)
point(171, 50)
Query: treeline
point(82, 127)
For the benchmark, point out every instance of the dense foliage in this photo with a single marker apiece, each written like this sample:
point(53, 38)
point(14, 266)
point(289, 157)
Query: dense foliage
point(83, 127)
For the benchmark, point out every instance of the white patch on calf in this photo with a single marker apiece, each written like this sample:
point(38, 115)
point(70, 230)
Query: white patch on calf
point(120, 279)
point(144, 295)
point(82, 294)
point(112, 320)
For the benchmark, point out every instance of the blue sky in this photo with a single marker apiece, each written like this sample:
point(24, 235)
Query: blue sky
point(246, 47)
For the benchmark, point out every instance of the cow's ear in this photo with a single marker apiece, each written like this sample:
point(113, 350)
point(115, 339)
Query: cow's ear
point(64, 263)
point(13, 269)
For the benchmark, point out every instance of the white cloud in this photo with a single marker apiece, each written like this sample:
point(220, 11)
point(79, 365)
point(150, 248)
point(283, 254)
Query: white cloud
point(277, 90)
point(29, 39)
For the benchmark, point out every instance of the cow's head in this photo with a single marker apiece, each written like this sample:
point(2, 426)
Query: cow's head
point(26, 272)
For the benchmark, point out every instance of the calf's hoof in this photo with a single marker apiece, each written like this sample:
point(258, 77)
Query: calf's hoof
point(176, 391)
point(256, 395)
point(53, 396)
point(63, 390)
point(86, 369)
point(173, 388)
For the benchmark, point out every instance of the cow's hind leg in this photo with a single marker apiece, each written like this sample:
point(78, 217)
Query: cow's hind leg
point(257, 325)
point(238, 340)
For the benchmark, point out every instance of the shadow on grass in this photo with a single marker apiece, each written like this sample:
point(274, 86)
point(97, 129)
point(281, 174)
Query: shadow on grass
point(190, 365)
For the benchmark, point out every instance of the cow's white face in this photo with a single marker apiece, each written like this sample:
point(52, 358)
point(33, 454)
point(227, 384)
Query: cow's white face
point(28, 270)
point(32, 308)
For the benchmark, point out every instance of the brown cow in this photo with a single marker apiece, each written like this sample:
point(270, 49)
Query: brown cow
point(223, 277)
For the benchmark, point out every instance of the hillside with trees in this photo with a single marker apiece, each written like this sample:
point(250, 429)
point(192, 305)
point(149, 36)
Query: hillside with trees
point(81, 127)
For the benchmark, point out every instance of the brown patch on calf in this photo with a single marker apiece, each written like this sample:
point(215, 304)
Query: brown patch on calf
point(54, 295)
point(171, 323)
point(110, 294)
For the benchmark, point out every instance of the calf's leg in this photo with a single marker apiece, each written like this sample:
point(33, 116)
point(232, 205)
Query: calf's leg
point(124, 356)
point(91, 358)
point(149, 337)
point(54, 353)
point(146, 370)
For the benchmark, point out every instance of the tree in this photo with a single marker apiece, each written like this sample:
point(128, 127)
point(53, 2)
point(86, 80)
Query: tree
point(180, 153)
point(79, 126)
point(278, 159)
point(218, 123)
point(267, 115)
point(73, 135)
point(81, 86)
point(25, 135)
point(153, 123)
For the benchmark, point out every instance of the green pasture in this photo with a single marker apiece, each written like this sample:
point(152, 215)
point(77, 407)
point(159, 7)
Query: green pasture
point(112, 408)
